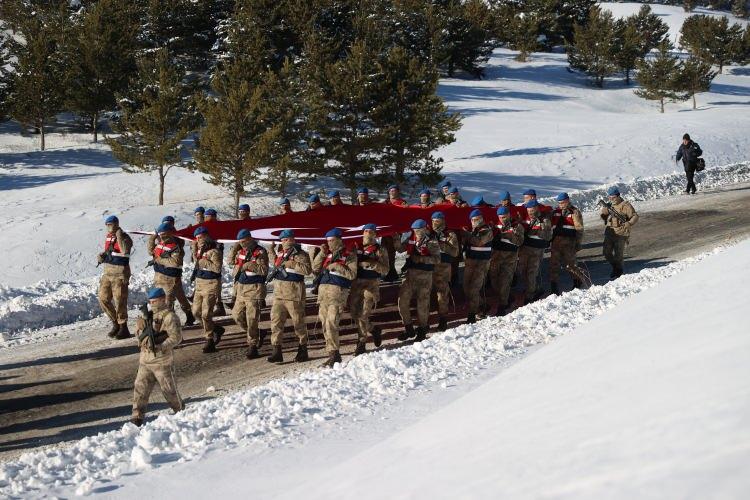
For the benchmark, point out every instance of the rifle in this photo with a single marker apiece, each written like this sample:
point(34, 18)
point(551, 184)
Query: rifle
point(323, 272)
point(280, 271)
point(194, 274)
point(612, 212)
point(154, 338)
point(108, 253)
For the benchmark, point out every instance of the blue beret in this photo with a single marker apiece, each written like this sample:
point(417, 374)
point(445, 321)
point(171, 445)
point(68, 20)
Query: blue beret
point(211, 211)
point(438, 215)
point(529, 192)
point(363, 190)
point(445, 183)
point(334, 233)
point(168, 218)
point(244, 207)
point(112, 219)
point(286, 233)
point(613, 191)
point(370, 226)
point(334, 193)
point(502, 211)
point(393, 186)
point(562, 197)
point(155, 293)
point(283, 201)
point(164, 227)
point(425, 191)
point(199, 210)
point(477, 201)
point(418, 224)
point(313, 198)
point(475, 213)
point(244, 233)
point(505, 195)
point(199, 231)
point(531, 204)
point(453, 190)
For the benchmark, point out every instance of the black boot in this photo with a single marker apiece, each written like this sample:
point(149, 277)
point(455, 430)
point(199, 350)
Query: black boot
point(442, 324)
point(333, 358)
point(361, 348)
point(189, 318)
point(114, 331)
point(577, 283)
point(617, 272)
point(613, 274)
point(261, 337)
point(421, 334)
point(377, 336)
point(302, 355)
point(217, 333)
point(137, 421)
point(554, 288)
point(502, 310)
point(407, 333)
point(219, 309)
point(123, 332)
point(252, 352)
point(471, 318)
point(209, 346)
point(277, 356)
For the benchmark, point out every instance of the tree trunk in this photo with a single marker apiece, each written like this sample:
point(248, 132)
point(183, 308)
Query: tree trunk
point(600, 81)
point(95, 126)
point(627, 76)
point(162, 175)
point(721, 67)
point(41, 135)
point(661, 102)
point(237, 192)
point(693, 101)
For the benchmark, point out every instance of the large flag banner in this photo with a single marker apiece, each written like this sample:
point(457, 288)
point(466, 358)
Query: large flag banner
point(310, 226)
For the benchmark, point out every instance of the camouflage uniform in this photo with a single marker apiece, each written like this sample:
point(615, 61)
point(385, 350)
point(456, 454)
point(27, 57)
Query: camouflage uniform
point(477, 251)
point(537, 233)
point(157, 365)
point(567, 237)
point(252, 266)
point(113, 286)
point(339, 268)
point(441, 276)
point(208, 261)
point(372, 264)
point(169, 255)
point(508, 238)
point(422, 253)
point(617, 234)
point(289, 293)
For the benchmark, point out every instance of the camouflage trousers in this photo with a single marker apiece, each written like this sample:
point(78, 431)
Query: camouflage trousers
point(330, 309)
point(148, 375)
point(281, 310)
point(475, 274)
point(529, 260)
point(113, 297)
point(172, 287)
point(246, 313)
point(614, 247)
point(441, 282)
point(204, 302)
point(417, 283)
point(363, 298)
point(563, 253)
point(502, 268)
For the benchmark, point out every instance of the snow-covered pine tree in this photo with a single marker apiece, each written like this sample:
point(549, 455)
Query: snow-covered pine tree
point(659, 76)
point(156, 115)
point(593, 49)
point(100, 59)
point(695, 77)
point(37, 94)
point(628, 44)
point(412, 119)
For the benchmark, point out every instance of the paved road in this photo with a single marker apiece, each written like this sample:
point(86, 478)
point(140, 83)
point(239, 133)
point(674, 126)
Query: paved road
point(50, 396)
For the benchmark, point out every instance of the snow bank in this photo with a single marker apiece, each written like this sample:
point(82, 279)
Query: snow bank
point(285, 409)
point(52, 303)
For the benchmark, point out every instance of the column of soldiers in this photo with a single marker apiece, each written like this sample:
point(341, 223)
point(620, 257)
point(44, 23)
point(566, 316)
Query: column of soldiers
point(501, 254)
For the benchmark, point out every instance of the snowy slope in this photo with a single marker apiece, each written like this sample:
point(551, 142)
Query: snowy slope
point(648, 400)
point(284, 413)
point(533, 124)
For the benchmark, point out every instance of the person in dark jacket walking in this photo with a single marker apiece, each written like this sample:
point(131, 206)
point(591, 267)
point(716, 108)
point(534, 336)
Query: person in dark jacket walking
point(689, 152)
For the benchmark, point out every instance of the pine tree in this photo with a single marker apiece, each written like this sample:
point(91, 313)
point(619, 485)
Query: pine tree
point(659, 76)
point(651, 28)
point(157, 115)
point(412, 118)
point(628, 44)
point(712, 39)
point(696, 76)
point(6, 75)
point(342, 102)
point(100, 59)
point(37, 94)
point(467, 39)
point(593, 49)
point(739, 8)
point(524, 34)
point(689, 5)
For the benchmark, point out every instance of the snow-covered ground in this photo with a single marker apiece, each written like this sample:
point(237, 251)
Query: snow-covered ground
point(646, 395)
